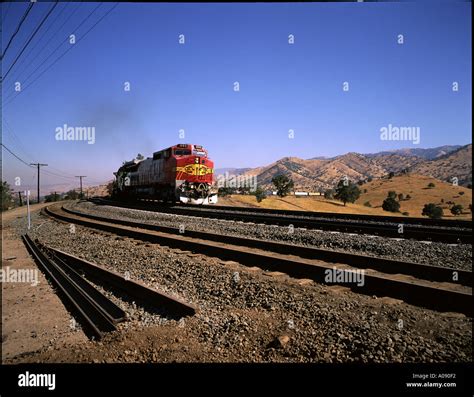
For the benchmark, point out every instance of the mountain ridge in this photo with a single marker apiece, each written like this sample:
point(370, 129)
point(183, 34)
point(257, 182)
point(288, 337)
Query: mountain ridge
point(316, 174)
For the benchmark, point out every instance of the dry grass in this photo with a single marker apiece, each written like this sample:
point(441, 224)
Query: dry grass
point(377, 190)
point(313, 203)
point(417, 187)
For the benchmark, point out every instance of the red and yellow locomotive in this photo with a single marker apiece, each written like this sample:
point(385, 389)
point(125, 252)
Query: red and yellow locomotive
point(179, 173)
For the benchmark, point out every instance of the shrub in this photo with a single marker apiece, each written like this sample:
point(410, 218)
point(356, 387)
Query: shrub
point(432, 211)
point(392, 194)
point(260, 194)
point(52, 197)
point(456, 209)
point(391, 205)
point(7, 193)
point(367, 204)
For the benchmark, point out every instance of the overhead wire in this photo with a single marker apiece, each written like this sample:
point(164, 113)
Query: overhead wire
point(22, 19)
point(30, 39)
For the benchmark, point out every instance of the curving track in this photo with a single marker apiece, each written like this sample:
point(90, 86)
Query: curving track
point(382, 277)
point(412, 228)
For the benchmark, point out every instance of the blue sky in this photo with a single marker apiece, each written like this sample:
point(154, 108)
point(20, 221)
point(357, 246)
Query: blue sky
point(190, 86)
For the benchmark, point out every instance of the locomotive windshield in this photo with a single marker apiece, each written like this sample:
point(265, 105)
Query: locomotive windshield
point(182, 152)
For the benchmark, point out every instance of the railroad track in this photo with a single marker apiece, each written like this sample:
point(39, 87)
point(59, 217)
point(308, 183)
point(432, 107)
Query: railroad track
point(396, 227)
point(97, 313)
point(422, 285)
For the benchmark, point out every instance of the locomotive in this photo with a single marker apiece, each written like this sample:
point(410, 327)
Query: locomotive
point(182, 173)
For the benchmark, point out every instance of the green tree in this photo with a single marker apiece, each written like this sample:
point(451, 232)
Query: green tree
point(7, 199)
point(432, 211)
point(260, 194)
point(392, 194)
point(52, 197)
point(391, 205)
point(347, 192)
point(72, 195)
point(456, 209)
point(283, 185)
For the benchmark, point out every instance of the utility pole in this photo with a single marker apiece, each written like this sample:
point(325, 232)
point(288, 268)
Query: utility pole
point(21, 202)
point(27, 194)
point(39, 165)
point(80, 178)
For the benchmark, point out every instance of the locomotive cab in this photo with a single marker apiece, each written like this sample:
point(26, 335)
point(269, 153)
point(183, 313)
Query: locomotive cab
point(182, 172)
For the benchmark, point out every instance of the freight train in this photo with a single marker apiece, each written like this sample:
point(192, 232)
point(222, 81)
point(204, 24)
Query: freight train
point(182, 173)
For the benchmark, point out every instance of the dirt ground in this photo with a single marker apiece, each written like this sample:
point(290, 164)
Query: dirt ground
point(33, 317)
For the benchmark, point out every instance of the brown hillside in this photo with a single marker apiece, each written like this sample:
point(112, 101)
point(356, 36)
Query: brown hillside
point(321, 174)
point(416, 187)
point(456, 164)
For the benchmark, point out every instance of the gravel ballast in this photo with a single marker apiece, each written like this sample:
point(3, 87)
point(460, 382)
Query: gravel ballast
point(454, 256)
point(249, 315)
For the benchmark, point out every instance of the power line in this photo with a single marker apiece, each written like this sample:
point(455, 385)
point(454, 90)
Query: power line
point(64, 173)
point(25, 14)
point(8, 150)
point(16, 139)
point(58, 175)
point(43, 36)
point(61, 174)
point(29, 165)
point(31, 38)
point(62, 42)
point(13, 95)
point(44, 46)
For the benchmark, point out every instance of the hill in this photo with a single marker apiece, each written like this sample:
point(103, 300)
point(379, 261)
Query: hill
point(375, 192)
point(416, 186)
point(318, 174)
point(457, 164)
